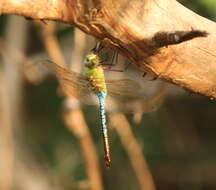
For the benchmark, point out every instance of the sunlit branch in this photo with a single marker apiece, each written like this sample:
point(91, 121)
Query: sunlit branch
point(130, 28)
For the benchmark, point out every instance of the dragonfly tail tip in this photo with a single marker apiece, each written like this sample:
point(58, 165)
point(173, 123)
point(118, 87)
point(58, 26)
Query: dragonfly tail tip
point(107, 161)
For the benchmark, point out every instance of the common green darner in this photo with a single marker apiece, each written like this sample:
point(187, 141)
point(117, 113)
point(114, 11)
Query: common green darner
point(93, 82)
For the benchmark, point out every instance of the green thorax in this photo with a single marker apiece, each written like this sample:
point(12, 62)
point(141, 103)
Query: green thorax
point(95, 73)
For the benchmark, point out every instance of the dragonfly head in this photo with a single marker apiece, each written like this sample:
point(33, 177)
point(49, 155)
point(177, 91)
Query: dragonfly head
point(92, 60)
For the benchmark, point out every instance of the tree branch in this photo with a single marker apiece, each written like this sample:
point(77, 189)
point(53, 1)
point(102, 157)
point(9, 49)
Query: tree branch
point(131, 26)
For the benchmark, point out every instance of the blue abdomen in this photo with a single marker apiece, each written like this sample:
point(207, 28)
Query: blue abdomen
point(101, 97)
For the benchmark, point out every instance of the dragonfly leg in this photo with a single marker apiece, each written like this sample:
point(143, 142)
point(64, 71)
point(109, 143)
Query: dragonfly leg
point(144, 74)
point(98, 47)
point(106, 64)
point(113, 57)
point(127, 66)
point(110, 69)
point(154, 78)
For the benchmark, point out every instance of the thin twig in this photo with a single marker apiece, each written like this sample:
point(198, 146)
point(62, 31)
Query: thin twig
point(30, 72)
point(76, 123)
point(51, 45)
point(123, 128)
point(10, 101)
point(79, 46)
point(73, 117)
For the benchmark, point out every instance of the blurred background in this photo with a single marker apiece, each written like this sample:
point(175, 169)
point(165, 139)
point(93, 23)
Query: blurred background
point(165, 140)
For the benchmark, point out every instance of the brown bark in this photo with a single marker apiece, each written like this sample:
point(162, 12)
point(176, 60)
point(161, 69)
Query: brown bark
point(130, 27)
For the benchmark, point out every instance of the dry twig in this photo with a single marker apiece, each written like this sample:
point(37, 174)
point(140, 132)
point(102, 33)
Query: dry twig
point(121, 125)
point(73, 116)
point(11, 102)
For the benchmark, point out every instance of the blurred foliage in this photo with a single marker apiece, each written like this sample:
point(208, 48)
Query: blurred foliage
point(206, 8)
point(3, 20)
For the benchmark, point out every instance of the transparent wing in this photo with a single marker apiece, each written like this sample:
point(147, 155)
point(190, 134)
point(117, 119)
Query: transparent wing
point(77, 85)
point(72, 84)
point(123, 88)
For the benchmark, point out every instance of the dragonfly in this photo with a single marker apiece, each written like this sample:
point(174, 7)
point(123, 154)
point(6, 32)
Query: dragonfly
point(93, 81)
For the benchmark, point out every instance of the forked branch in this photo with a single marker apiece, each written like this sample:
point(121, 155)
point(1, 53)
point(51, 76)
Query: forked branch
point(132, 28)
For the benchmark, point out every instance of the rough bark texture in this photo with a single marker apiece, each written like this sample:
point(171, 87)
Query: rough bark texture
point(130, 27)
